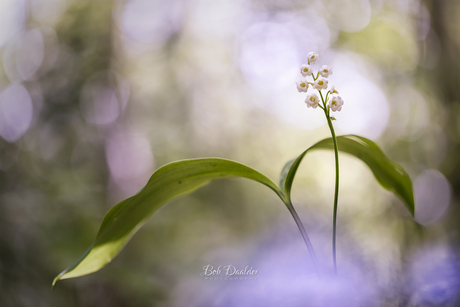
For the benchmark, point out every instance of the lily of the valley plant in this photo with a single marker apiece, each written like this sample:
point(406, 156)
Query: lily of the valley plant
point(330, 101)
point(183, 177)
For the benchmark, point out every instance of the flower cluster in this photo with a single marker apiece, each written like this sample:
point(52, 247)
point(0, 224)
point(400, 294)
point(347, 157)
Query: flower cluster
point(332, 101)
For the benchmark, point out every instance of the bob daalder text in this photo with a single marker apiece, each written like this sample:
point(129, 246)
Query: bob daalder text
point(230, 270)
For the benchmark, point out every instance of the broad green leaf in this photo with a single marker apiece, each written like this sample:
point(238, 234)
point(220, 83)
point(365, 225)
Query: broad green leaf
point(166, 184)
point(389, 174)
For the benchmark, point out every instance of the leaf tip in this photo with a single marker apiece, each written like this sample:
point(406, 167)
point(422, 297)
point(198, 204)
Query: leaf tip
point(55, 280)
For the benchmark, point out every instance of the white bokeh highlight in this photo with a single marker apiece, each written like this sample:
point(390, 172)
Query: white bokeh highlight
point(339, 12)
point(365, 111)
point(268, 55)
point(12, 18)
point(103, 98)
point(432, 196)
point(48, 11)
point(16, 112)
point(99, 105)
point(24, 55)
point(147, 21)
point(30, 53)
point(130, 161)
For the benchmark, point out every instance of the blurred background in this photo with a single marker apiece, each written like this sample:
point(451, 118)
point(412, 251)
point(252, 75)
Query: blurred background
point(96, 95)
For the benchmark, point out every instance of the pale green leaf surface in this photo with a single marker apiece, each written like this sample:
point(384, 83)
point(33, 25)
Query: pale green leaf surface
point(166, 184)
point(390, 175)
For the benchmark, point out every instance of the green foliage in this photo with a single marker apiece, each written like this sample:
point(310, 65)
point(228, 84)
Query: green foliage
point(389, 174)
point(167, 183)
point(183, 177)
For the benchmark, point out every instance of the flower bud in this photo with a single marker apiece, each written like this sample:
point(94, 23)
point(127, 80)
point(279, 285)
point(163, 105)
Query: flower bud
point(332, 90)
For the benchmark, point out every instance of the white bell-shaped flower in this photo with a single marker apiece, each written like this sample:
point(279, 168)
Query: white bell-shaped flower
point(312, 57)
point(336, 103)
point(325, 71)
point(312, 100)
point(305, 70)
point(320, 84)
point(332, 90)
point(302, 85)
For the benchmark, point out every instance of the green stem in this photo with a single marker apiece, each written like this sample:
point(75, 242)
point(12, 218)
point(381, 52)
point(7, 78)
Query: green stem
point(336, 193)
point(304, 235)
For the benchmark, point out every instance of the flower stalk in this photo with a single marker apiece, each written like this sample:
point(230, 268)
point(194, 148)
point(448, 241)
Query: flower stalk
point(330, 102)
point(336, 192)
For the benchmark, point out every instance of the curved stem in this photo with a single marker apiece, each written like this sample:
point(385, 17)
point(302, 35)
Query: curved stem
point(304, 234)
point(336, 193)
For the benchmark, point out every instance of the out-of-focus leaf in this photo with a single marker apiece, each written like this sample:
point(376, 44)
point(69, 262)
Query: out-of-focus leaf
point(166, 184)
point(389, 174)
